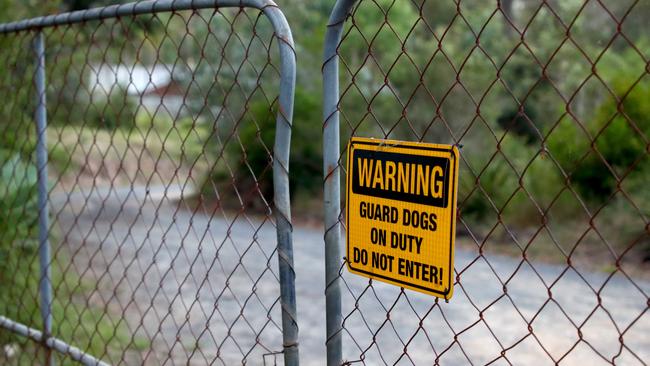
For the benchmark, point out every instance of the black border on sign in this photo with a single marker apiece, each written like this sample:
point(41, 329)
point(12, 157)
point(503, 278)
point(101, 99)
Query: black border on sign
point(452, 225)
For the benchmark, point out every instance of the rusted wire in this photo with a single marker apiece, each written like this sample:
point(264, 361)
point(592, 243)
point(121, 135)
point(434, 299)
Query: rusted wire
point(553, 227)
point(168, 185)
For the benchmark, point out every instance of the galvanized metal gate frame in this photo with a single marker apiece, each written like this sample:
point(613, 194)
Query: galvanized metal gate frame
point(280, 161)
point(332, 180)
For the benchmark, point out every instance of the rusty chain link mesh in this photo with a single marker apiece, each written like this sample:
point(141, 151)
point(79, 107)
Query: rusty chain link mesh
point(160, 138)
point(549, 102)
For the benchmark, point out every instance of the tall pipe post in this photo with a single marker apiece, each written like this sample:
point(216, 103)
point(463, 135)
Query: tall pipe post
point(45, 280)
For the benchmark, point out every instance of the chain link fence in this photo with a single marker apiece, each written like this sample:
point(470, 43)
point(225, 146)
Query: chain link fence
point(143, 185)
point(549, 102)
point(144, 180)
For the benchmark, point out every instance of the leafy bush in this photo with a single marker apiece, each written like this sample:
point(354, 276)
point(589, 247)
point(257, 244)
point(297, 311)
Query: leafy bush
point(18, 199)
point(249, 153)
point(116, 110)
point(18, 237)
point(519, 181)
point(619, 130)
point(19, 272)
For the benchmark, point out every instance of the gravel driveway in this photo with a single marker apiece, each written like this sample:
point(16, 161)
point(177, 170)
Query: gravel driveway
point(203, 287)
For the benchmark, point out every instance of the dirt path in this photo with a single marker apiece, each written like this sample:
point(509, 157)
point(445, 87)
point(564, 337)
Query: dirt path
point(203, 287)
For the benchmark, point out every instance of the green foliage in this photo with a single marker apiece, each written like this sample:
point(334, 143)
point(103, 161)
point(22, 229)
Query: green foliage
point(376, 35)
point(184, 138)
point(115, 110)
point(19, 271)
point(250, 152)
point(16, 115)
point(18, 236)
point(636, 185)
point(26, 8)
point(623, 126)
point(519, 183)
point(18, 213)
point(306, 158)
point(619, 129)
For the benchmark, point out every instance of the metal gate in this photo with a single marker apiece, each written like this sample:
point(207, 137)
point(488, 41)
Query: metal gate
point(548, 102)
point(144, 154)
point(144, 177)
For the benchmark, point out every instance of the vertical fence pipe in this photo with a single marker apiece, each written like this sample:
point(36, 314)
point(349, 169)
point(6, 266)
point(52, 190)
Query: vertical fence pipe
point(45, 284)
point(332, 183)
point(281, 152)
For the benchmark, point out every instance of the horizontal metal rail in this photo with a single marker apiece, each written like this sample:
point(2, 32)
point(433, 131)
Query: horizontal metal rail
point(134, 8)
point(51, 342)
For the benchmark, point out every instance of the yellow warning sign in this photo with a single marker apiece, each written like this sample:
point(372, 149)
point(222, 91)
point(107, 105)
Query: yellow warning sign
point(401, 213)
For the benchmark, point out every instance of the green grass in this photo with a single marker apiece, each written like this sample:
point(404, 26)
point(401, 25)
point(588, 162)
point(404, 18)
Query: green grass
point(88, 326)
point(78, 317)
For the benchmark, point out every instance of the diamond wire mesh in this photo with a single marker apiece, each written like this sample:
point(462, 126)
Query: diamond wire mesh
point(549, 102)
point(160, 133)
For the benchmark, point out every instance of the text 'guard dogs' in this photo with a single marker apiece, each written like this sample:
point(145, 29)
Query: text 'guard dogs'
point(401, 213)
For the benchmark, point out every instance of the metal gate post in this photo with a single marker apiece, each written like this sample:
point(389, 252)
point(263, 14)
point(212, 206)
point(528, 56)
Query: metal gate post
point(332, 184)
point(45, 283)
point(281, 196)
